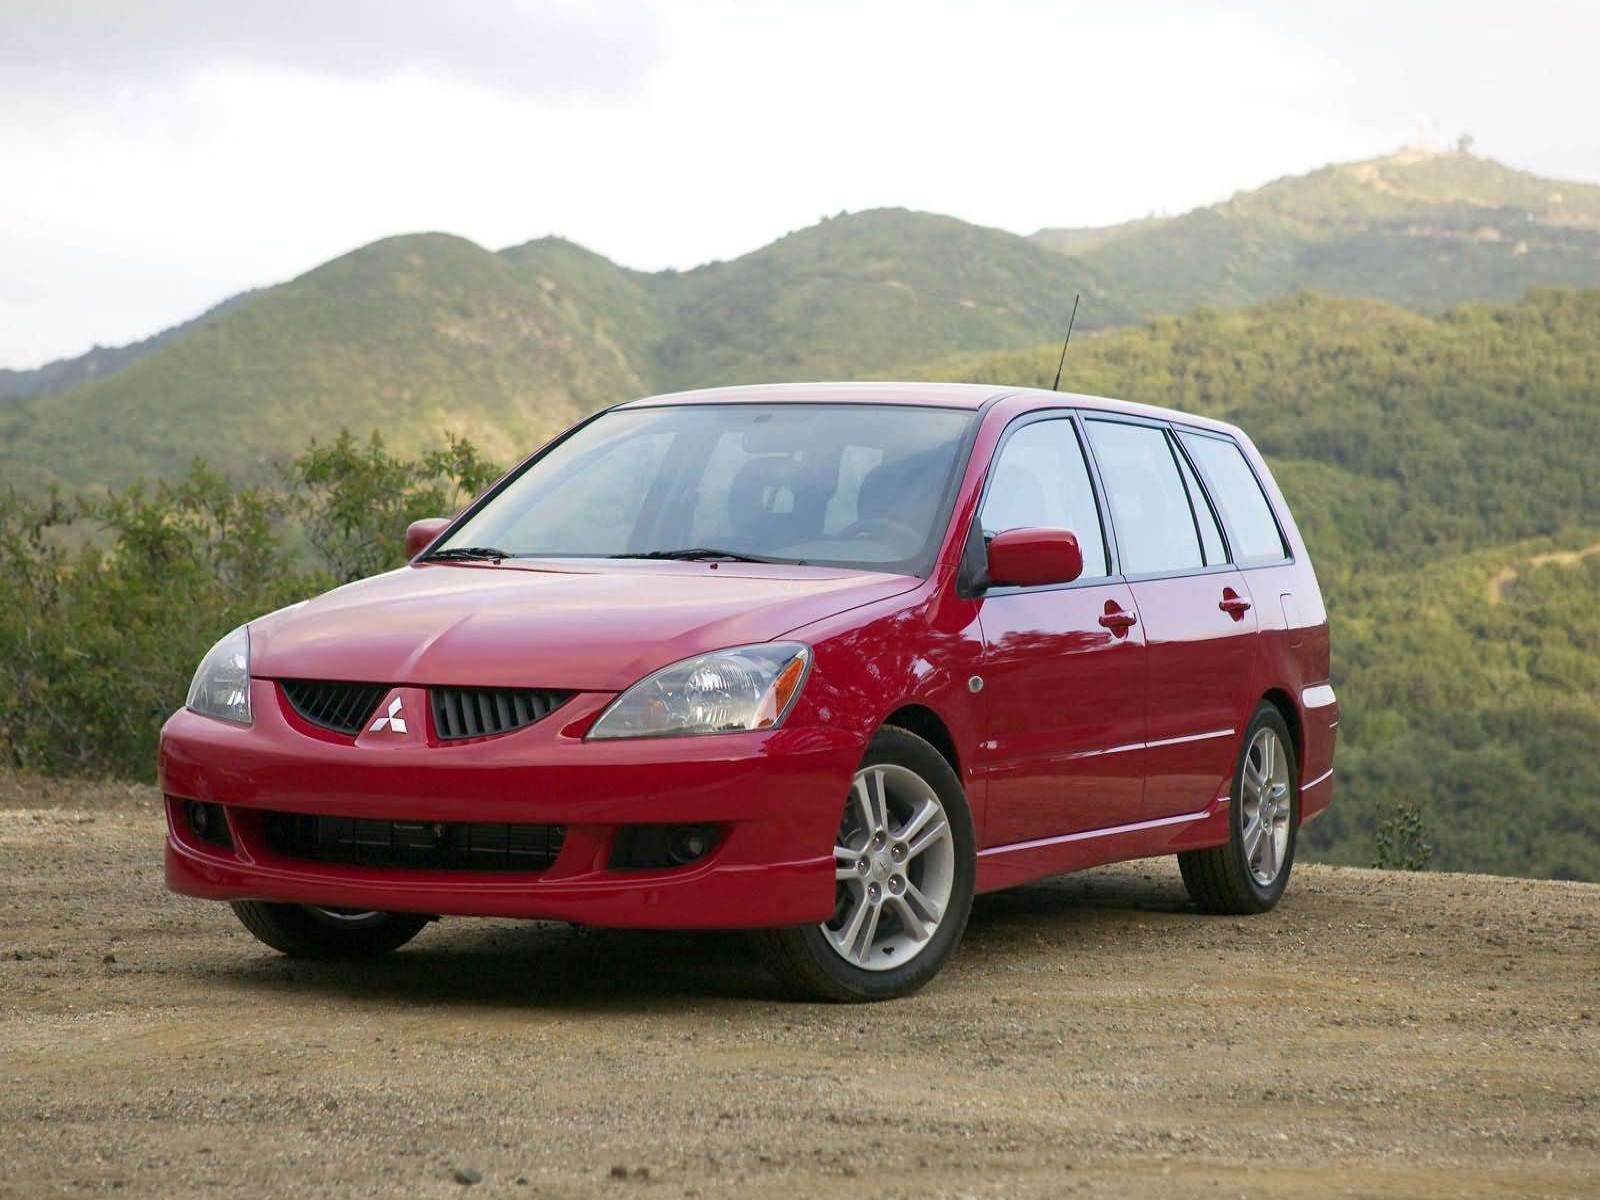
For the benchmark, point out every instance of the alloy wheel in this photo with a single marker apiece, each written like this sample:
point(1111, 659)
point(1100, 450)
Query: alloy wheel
point(1266, 806)
point(894, 869)
point(344, 918)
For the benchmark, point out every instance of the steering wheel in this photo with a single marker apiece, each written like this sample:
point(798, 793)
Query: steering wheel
point(871, 527)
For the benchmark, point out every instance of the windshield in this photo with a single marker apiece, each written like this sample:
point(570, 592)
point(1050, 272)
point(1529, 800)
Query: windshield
point(834, 485)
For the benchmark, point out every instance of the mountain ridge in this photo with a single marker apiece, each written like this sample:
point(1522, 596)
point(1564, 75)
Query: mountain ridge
point(419, 334)
point(62, 374)
point(1381, 186)
point(1425, 229)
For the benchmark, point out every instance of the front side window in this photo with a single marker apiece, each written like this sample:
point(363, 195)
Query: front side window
point(854, 485)
point(1238, 493)
point(1040, 479)
point(1149, 506)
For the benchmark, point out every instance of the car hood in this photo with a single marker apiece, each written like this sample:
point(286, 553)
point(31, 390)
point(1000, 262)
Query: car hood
point(585, 627)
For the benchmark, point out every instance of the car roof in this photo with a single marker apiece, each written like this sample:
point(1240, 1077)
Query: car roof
point(940, 395)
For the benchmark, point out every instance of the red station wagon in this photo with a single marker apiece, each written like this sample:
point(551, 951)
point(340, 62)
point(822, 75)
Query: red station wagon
point(819, 660)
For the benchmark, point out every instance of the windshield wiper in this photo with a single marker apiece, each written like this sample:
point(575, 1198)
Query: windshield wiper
point(697, 553)
point(468, 554)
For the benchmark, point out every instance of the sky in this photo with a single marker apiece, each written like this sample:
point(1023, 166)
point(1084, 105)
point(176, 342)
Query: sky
point(157, 156)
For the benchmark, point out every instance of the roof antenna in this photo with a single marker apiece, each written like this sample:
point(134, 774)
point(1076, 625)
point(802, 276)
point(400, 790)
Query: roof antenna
point(1056, 386)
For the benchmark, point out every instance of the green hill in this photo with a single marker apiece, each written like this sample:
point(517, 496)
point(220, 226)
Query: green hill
point(855, 294)
point(413, 335)
point(429, 333)
point(1433, 464)
point(422, 334)
point(66, 373)
point(1423, 230)
point(860, 293)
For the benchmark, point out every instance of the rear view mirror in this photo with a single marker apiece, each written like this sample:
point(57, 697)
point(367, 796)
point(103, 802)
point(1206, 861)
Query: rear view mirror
point(1032, 557)
point(421, 534)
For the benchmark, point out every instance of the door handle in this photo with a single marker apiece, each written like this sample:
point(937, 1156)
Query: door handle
point(1233, 604)
point(1119, 621)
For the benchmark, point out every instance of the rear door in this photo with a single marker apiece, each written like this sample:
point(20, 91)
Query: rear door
point(1064, 668)
point(1194, 605)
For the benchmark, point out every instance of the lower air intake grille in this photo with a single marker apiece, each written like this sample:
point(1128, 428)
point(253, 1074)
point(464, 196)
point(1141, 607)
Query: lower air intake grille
point(479, 712)
point(344, 707)
point(420, 845)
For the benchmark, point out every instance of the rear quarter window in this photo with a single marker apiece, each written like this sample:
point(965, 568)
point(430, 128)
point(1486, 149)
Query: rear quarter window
point(1245, 510)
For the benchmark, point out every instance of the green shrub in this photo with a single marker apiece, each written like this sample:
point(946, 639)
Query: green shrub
point(1402, 840)
point(107, 604)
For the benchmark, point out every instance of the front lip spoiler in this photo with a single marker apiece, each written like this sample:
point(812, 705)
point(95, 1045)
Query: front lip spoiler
point(714, 894)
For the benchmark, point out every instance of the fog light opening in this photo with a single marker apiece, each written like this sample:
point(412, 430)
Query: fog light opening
point(660, 847)
point(688, 843)
point(208, 822)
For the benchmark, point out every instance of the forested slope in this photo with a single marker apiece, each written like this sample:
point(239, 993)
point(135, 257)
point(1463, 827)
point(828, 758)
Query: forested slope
point(1424, 457)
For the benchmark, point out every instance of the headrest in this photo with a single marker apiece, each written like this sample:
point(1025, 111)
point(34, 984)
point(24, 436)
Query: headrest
point(907, 485)
point(766, 487)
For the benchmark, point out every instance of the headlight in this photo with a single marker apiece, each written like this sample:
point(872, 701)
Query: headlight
point(221, 686)
point(747, 687)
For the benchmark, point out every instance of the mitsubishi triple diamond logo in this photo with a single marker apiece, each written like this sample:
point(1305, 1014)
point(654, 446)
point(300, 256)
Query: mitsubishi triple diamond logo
point(391, 720)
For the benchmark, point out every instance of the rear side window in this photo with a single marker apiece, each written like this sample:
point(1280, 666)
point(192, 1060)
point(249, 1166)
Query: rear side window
point(1149, 507)
point(1041, 479)
point(1238, 493)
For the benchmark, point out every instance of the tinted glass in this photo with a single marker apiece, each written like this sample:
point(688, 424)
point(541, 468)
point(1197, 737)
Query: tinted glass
point(1040, 478)
point(1210, 532)
point(1155, 529)
point(1239, 495)
point(836, 484)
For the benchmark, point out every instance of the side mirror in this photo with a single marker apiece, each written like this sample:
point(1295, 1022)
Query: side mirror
point(421, 534)
point(1030, 557)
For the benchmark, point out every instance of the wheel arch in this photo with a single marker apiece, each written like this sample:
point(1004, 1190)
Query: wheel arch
point(930, 727)
point(1280, 699)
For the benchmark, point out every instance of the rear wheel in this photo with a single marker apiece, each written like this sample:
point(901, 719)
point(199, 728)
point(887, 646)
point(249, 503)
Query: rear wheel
point(904, 863)
point(1248, 874)
point(302, 931)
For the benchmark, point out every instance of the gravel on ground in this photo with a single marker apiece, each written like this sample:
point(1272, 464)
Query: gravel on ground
point(1378, 1035)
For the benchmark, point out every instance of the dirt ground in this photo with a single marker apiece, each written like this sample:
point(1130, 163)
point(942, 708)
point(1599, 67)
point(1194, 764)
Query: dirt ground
point(1378, 1035)
point(1501, 584)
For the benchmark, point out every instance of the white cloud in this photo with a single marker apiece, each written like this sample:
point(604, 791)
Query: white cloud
point(515, 46)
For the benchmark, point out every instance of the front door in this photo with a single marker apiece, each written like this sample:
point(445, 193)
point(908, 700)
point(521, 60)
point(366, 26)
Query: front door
point(1064, 666)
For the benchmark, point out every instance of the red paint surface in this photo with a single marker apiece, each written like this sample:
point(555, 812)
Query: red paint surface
point(1065, 713)
point(1089, 740)
point(421, 534)
point(1034, 557)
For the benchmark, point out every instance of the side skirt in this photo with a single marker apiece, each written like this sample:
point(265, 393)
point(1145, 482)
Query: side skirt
point(1024, 862)
point(1315, 796)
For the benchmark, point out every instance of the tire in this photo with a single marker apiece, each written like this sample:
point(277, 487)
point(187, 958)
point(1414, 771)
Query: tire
point(304, 932)
point(1230, 878)
point(924, 853)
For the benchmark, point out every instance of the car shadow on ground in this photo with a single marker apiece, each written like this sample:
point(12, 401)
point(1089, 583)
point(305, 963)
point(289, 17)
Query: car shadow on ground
point(1087, 896)
point(540, 965)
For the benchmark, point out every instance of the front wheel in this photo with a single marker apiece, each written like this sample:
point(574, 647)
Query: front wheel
point(904, 863)
point(1249, 873)
point(301, 931)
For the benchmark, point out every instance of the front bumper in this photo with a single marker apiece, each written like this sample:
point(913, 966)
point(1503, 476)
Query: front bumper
point(776, 797)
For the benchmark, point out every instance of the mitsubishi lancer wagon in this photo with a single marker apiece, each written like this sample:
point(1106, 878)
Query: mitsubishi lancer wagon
point(821, 662)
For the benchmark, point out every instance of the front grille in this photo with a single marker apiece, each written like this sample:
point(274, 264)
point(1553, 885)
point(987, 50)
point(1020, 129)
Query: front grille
point(479, 712)
point(420, 845)
point(343, 707)
point(457, 712)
